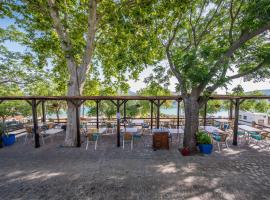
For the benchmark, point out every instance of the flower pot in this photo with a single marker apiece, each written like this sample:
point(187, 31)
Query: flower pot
point(206, 148)
point(9, 139)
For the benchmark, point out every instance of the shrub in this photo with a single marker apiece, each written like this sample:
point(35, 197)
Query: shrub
point(203, 138)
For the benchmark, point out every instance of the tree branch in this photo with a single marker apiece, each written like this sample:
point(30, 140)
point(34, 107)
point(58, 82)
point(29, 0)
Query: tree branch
point(208, 23)
point(88, 52)
point(259, 66)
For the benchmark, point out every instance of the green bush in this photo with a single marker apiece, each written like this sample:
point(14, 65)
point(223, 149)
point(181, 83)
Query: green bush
point(203, 138)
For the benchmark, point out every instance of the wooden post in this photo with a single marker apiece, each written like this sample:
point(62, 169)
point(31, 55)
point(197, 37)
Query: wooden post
point(158, 113)
point(178, 113)
point(231, 110)
point(43, 111)
point(97, 112)
point(151, 114)
point(35, 122)
point(78, 125)
point(236, 116)
point(118, 122)
point(205, 113)
point(125, 111)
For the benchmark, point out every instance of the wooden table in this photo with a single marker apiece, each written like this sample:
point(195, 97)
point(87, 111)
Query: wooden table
point(160, 139)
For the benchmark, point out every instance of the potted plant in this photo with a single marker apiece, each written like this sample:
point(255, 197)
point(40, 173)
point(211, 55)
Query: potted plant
point(204, 142)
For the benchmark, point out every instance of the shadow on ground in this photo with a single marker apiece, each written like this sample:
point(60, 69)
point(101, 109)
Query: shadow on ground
point(51, 172)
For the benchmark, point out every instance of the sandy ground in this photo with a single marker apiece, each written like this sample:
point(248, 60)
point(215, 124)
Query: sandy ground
point(51, 172)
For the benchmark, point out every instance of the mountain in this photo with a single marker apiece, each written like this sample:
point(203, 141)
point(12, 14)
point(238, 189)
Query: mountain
point(264, 92)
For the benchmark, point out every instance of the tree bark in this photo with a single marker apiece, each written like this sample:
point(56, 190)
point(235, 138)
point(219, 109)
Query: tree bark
point(191, 123)
point(73, 90)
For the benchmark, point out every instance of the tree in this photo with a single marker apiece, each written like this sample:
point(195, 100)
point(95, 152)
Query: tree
point(10, 108)
point(209, 40)
point(250, 104)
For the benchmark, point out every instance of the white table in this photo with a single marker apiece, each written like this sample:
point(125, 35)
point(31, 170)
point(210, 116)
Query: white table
point(249, 128)
point(53, 131)
point(222, 120)
point(267, 130)
point(211, 129)
point(176, 131)
point(96, 130)
point(50, 132)
point(138, 122)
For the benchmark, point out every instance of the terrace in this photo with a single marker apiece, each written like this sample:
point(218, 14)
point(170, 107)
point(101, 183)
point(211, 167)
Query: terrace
point(110, 172)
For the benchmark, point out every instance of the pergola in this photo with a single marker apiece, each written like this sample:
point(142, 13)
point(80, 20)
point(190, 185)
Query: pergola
point(118, 101)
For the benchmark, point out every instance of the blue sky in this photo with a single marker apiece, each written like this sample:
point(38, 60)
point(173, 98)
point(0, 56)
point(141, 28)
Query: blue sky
point(136, 85)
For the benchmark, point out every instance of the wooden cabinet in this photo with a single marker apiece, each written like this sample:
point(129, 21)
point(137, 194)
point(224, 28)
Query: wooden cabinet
point(161, 140)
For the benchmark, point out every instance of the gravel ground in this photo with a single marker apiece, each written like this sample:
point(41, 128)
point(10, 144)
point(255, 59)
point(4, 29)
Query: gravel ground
point(52, 172)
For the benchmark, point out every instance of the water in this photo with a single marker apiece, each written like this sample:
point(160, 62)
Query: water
point(166, 111)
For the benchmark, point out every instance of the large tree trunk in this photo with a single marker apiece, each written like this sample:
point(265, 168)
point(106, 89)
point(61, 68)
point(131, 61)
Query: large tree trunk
point(191, 122)
point(73, 90)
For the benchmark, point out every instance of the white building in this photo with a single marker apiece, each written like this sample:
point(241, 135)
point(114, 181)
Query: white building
point(258, 118)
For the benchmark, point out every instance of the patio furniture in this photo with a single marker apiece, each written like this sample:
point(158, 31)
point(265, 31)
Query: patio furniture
point(250, 131)
point(128, 136)
point(51, 132)
point(110, 126)
point(176, 131)
point(260, 138)
point(160, 140)
point(93, 135)
point(211, 129)
point(220, 138)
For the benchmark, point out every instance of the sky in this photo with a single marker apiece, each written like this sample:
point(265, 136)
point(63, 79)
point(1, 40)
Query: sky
point(137, 85)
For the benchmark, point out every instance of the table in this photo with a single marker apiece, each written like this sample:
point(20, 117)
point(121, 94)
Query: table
point(211, 129)
point(50, 132)
point(176, 130)
point(53, 131)
point(137, 122)
point(249, 128)
point(266, 129)
point(222, 120)
point(96, 130)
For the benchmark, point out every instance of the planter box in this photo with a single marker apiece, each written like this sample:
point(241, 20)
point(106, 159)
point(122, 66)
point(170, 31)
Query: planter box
point(8, 139)
point(206, 148)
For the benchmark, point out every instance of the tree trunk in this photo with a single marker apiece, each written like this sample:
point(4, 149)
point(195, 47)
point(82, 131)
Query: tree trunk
point(71, 131)
point(191, 122)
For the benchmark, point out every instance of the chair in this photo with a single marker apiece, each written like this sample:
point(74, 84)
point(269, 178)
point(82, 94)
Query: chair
point(221, 139)
point(109, 126)
point(226, 127)
point(128, 137)
point(260, 138)
point(29, 131)
point(50, 125)
point(92, 136)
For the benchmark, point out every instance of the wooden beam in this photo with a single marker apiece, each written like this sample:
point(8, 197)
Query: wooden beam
point(231, 109)
point(158, 113)
point(178, 113)
point(236, 117)
point(205, 113)
point(118, 122)
point(43, 111)
point(35, 123)
point(176, 97)
point(97, 112)
point(151, 110)
point(125, 110)
point(78, 126)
